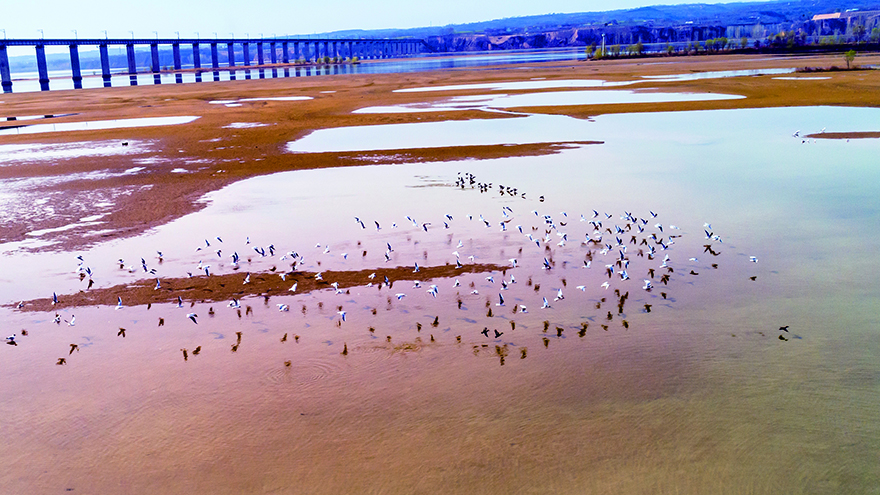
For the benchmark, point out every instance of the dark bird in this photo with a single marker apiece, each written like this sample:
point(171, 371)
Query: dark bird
point(73, 347)
point(284, 338)
point(647, 308)
point(784, 329)
point(345, 349)
point(185, 355)
point(436, 321)
point(485, 331)
point(197, 350)
point(753, 278)
point(121, 332)
point(234, 347)
point(61, 361)
point(161, 322)
point(498, 334)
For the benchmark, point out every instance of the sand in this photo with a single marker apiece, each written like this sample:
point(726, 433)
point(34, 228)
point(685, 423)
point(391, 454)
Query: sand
point(158, 197)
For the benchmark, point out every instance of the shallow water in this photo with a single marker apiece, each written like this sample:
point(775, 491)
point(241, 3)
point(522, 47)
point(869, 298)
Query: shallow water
point(701, 381)
point(97, 125)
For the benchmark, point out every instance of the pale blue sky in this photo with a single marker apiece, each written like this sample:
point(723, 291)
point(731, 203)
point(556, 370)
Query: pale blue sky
point(58, 18)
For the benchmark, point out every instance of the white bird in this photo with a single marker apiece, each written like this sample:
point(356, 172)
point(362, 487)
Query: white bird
point(648, 285)
point(753, 259)
point(605, 285)
point(119, 302)
point(500, 300)
point(247, 279)
point(559, 295)
point(582, 288)
point(179, 302)
point(522, 309)
point(546, 304)
point(293, 287)
point(456, 284)
point(491, 279)
point(512, 262)
point(318, 276)
point(193, 316)
point(234, 303)
point(158, 285)
point(283, 307)
point(416, 268)
point(342, 314)
point(72, 321)
point(372, 276)
point(11, 339)
point(400, 296)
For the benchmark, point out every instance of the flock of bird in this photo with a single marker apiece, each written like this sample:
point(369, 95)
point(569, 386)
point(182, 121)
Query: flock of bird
point(615, 258)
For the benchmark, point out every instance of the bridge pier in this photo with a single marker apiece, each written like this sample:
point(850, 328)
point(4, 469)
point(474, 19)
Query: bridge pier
point(74, 67)
point(197, 62)
point(5, 74)
point(41, 68)
point(178, 77)
point(154, 63)
point(132, 64)
point(230, 55)
point(245, 49)
point(105, 64)
point(285, 57)
point(215, 61)
point(260, 59)
point(274, 58)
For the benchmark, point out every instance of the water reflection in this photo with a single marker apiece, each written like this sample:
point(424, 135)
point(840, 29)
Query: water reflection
point(705, 360)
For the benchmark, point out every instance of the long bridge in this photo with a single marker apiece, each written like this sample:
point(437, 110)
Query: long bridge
point(303, 49)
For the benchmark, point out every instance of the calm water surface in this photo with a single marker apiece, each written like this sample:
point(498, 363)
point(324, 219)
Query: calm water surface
point(698, 395)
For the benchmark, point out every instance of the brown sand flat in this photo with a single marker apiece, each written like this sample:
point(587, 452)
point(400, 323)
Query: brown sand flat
point(844, 135)
point(160, 196)
point(224, 287)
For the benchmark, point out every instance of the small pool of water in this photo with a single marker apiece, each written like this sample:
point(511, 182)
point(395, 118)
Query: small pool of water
point(555, 98)
point(98, 125)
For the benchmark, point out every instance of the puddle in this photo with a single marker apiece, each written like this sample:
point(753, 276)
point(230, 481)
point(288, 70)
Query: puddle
point(244, 125)
point(269, 98)
point(719, 74)
point(519, 85)
point(98, 125)
point(476, 132)
point(556, 98)
point(29, 153)
point(801, 78)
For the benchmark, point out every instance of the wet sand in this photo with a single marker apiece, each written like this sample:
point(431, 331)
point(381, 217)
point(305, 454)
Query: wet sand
point(214, 157)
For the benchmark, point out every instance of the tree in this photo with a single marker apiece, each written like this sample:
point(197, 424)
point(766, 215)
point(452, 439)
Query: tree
point(849, 57)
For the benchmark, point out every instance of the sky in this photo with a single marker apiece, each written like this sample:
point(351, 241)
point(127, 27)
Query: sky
point(90, 18)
